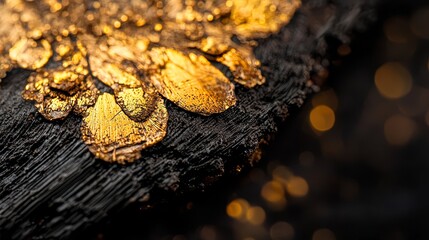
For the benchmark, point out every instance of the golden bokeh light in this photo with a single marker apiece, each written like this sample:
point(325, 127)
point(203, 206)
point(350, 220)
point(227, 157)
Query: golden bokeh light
point(393, 80)
point(323, 234)
point(237, 208)
point(208, 233)
point(282, 174)
point(399, 130)
point(256, 215)
point(297, 186)
point(282, 231)
point(322, 118)
point(273, 192)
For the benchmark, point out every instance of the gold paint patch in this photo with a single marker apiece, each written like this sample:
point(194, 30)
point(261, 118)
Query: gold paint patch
point(112, 136)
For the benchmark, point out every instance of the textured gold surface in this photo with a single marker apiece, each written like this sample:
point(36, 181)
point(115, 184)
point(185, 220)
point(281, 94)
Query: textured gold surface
point(30, 54)
point(137, 103)
point(191, 82)
point(111, 135)
point(142, 50)
point(244, 69)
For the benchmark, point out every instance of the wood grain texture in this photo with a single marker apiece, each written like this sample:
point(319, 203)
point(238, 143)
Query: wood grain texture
point(51, 186)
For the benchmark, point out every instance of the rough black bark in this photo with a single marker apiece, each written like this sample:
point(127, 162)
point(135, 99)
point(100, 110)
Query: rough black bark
point(51, 186)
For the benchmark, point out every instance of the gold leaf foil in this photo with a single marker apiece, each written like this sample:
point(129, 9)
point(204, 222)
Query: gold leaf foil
point(56, 108)
point(141, 50)
point(191, 82)
point(112, 136)
point(30, 54)
point(137, 103)
point(244, 70)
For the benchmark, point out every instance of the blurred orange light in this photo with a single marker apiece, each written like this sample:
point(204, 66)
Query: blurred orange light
point(273, 192)
point(237, 208)
point(323, 234)
point(256, 215)
point(399, 130)
point(393, 80)
point(282, 231)
point(322, 118)
point(297, 187)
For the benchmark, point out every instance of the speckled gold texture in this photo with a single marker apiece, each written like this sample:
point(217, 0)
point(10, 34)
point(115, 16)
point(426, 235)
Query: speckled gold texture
point(145, 51)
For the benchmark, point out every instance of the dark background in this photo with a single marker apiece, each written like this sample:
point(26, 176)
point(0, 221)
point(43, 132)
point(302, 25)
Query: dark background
point(362, 183)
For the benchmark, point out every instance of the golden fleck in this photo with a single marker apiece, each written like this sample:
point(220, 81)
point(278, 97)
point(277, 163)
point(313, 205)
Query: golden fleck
point(30, 54)
point(393, 80)
point(112, 136)
point(158, 27)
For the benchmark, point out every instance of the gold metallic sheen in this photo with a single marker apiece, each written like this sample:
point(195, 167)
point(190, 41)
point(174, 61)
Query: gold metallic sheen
point(112, 136)
point(137, 103)
point(29, 54)
point(144, 51)
point(191, 82)
point(244, 70)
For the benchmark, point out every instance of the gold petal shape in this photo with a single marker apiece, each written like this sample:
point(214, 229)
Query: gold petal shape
point(113, 137)
point(137, 103)
point(31, 54)
point(191, 82)
point(245, 71)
